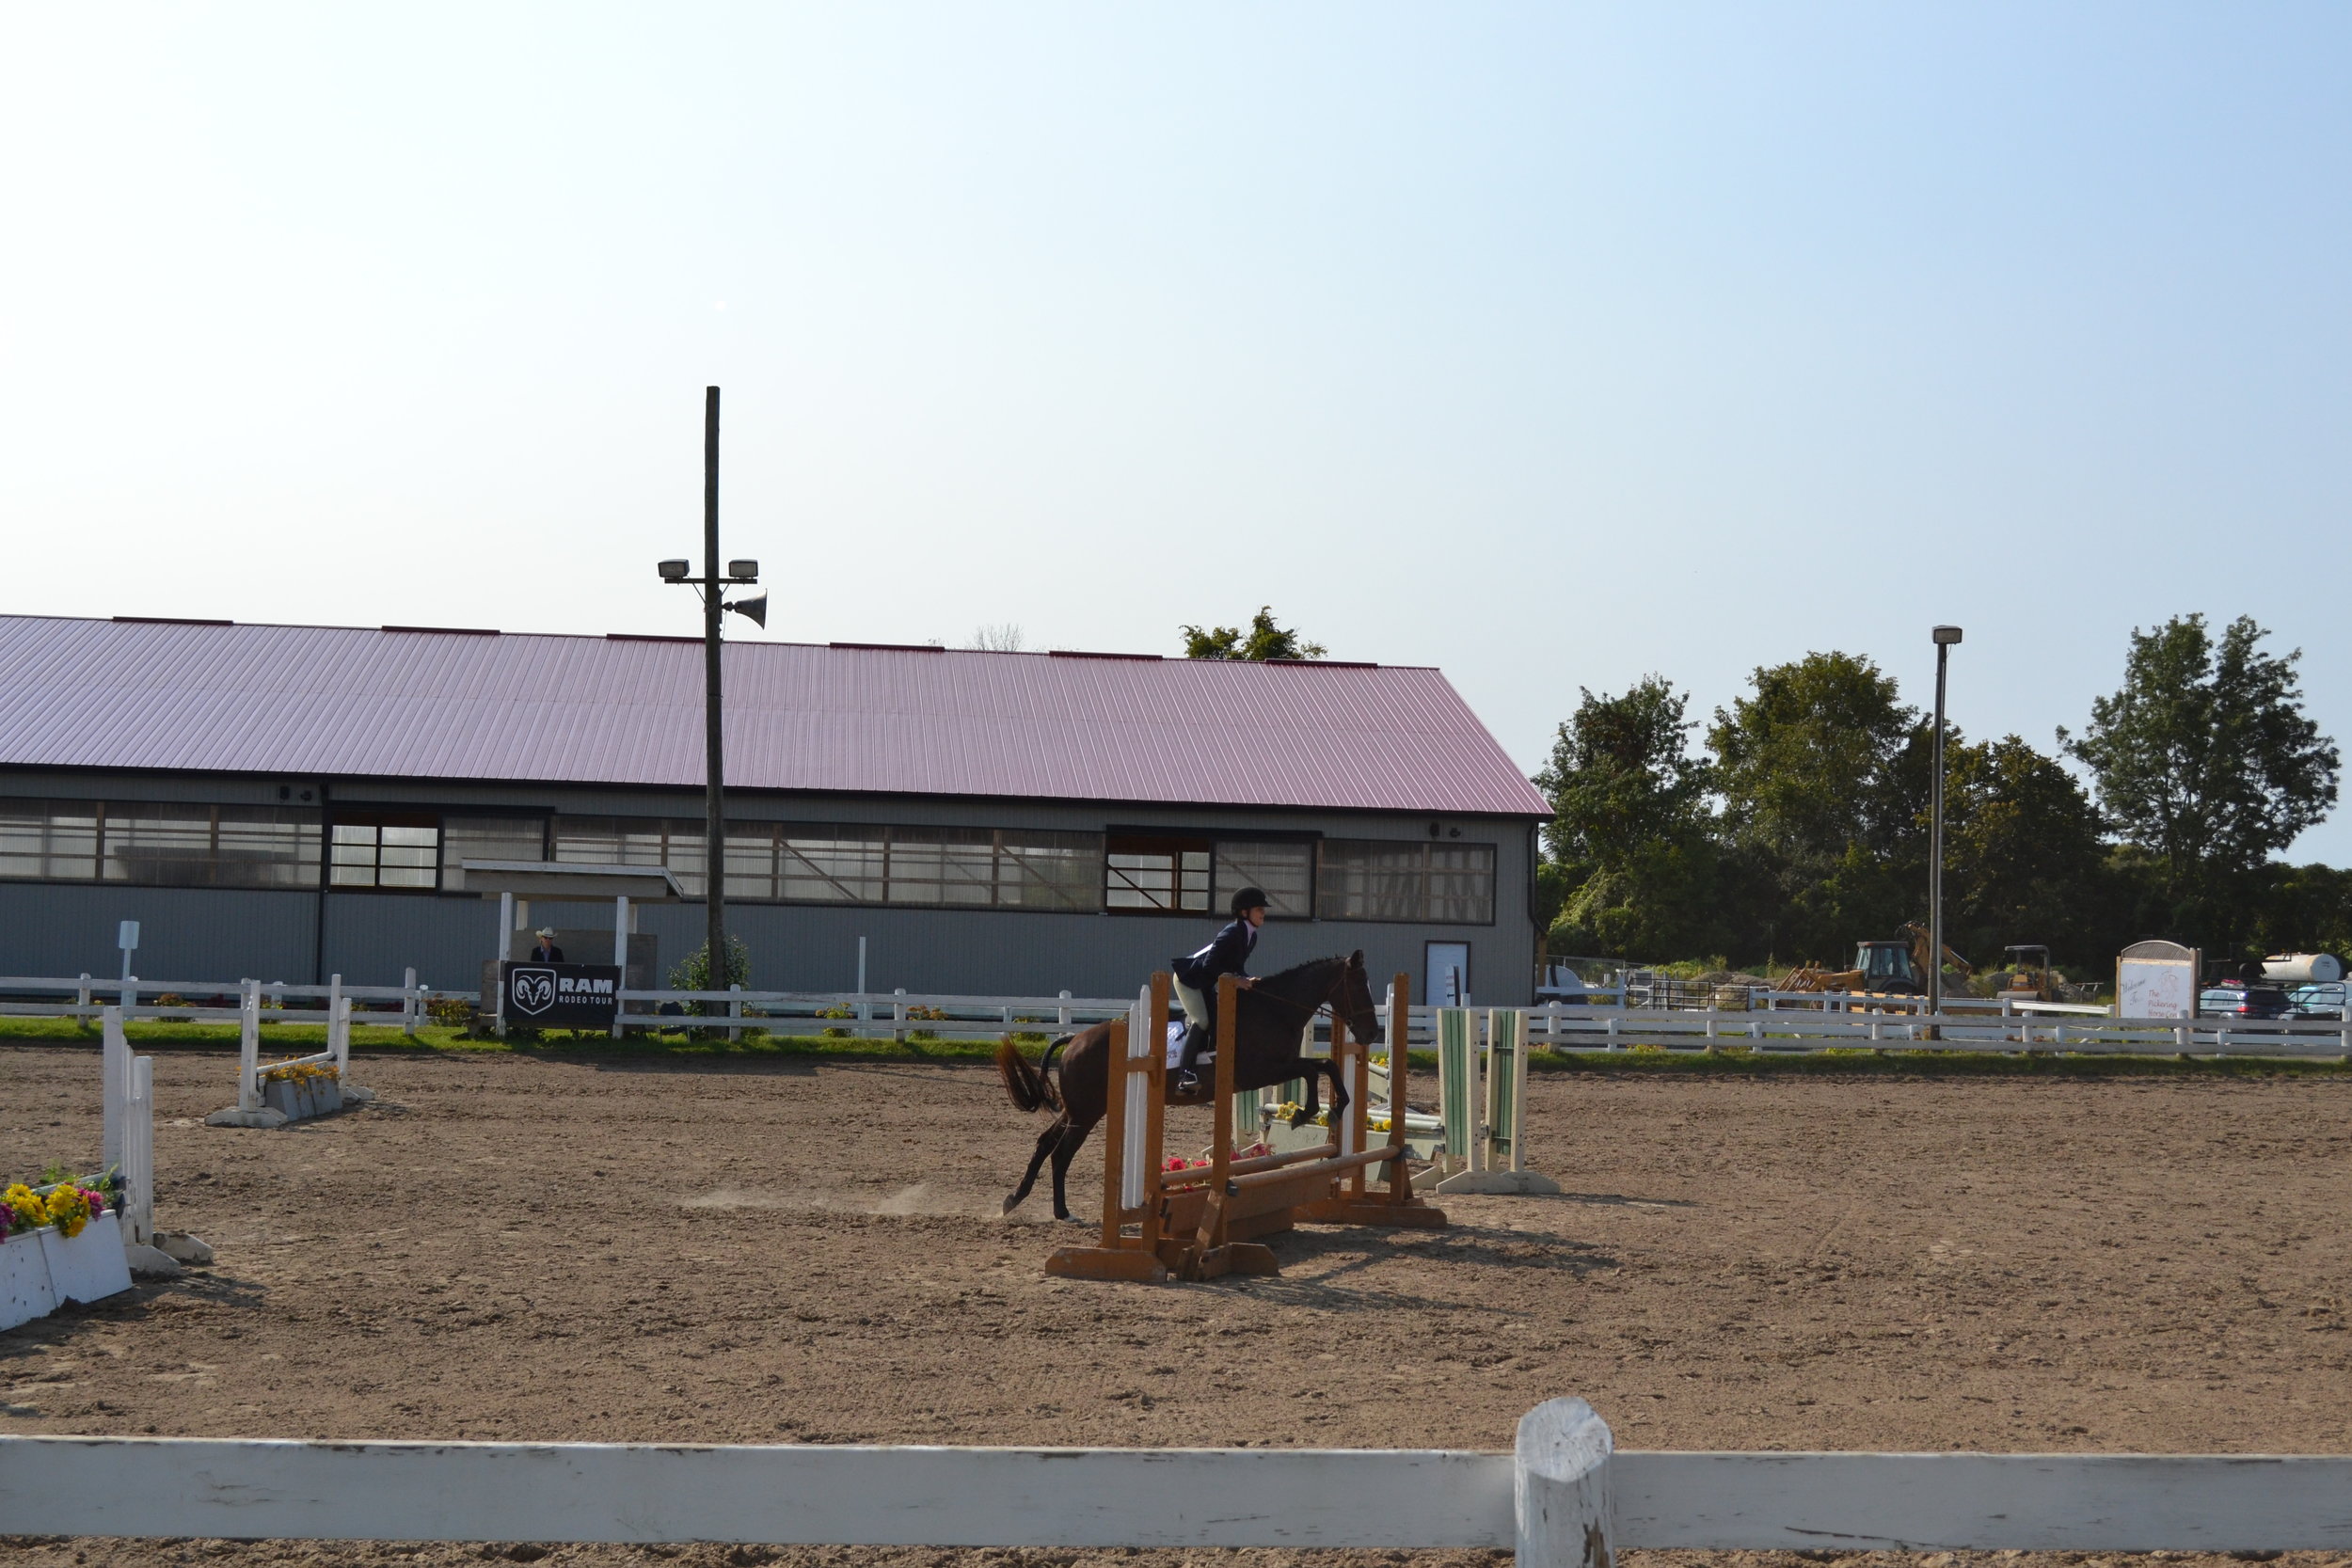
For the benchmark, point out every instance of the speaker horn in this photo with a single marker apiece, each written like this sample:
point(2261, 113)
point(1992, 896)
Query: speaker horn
point(753, 610)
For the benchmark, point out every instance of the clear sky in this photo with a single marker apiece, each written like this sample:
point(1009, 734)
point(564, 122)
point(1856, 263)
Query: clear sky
point(1551, 344)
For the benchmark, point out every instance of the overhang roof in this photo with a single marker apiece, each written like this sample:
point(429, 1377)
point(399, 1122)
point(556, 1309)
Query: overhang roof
point(343, 702)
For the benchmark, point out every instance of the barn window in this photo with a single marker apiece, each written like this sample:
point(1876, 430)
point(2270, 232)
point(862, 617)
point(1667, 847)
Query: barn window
point(1284, 872)
point(1156, 876)
point(1450, 884)
point(385, 851)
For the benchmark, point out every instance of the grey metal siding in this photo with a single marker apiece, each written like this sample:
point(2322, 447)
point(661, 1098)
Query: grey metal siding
point(370, 937)
point(66, 928)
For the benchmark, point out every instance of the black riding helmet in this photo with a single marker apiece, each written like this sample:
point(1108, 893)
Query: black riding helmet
point(1249, 898)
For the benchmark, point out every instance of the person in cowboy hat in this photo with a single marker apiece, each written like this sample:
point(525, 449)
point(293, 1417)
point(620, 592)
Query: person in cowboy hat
point(1196, 975)
point(546, 952)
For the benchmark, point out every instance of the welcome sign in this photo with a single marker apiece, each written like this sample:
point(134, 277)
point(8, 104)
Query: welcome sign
point(561, 996)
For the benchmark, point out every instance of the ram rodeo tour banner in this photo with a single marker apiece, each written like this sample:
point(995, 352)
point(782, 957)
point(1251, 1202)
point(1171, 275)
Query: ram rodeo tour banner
point(561, 996)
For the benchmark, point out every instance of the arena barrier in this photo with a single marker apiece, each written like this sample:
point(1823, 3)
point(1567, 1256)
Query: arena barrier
point(1203, 1221)
point(1564, 1498)
point(280, 1092)
point(1485, 1144)
point(41, 1270)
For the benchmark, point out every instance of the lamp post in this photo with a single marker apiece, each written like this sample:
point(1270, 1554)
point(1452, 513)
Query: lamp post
point(1945, 638)
point(712, 586)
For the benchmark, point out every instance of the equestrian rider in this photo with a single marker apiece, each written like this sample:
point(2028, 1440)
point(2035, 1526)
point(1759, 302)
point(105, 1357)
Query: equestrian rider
point(1228, 953)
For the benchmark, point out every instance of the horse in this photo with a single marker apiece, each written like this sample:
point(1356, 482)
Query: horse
point(1271, 1025)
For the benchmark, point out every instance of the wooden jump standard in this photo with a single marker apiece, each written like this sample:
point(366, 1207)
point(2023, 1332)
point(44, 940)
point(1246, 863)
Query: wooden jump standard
point(1203, 1221)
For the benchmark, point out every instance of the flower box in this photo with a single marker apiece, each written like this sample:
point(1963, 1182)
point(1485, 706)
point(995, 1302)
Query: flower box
point(298, 1098)
point(41, 1270)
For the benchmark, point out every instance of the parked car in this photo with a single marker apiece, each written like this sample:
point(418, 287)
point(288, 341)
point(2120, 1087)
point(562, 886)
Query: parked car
point(2244, 1002)
point(2320, 998)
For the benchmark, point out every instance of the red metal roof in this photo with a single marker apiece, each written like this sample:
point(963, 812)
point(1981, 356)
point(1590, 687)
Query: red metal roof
point(451, 705)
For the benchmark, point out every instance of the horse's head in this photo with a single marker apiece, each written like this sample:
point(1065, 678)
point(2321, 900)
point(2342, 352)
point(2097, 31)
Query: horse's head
point(1353, 1000)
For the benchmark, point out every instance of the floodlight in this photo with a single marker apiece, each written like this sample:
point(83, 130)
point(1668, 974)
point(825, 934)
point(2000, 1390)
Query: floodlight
point(675, 570)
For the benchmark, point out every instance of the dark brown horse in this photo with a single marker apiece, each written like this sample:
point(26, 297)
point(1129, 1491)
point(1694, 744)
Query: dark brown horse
point(1272, 1018)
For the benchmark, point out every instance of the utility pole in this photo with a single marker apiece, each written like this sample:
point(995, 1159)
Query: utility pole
point(712, 585)
point(1945, 638)
point(714, 757)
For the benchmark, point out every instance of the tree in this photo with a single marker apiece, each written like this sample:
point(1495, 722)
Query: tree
point(1003, 636)
point(1633, 863)
point(1621, 776)
point(1823, 775)
point(2204, 758)
point(1263, 641)
point(1815, 760)
point(2022, 856)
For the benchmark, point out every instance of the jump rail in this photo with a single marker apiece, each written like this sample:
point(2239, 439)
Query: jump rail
point(1563, 1499)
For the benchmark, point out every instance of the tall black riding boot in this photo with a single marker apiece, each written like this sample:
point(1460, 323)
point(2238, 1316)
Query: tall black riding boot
point(1187, 1075)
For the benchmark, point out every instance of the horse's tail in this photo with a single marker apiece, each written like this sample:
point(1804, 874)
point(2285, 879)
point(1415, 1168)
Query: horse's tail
point(1031, 1087)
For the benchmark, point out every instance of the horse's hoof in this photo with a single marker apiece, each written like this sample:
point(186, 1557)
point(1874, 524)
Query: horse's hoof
point(1298, 1119)
point(1010, 1204)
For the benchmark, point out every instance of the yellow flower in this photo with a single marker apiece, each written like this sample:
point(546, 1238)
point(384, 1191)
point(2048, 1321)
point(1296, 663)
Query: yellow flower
point(69, 1210)
point(31, 1214)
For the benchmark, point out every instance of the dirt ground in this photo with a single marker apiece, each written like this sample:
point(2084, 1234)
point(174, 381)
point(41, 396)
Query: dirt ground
point(509, 1247)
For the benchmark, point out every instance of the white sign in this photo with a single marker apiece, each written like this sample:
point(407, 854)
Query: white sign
point(2155, 987)
point(128, 938)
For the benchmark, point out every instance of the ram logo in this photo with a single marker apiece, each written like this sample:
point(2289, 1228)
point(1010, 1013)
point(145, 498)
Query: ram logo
point(534, 989)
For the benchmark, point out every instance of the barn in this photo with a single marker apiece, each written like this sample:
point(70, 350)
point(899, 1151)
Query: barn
point(286, 802)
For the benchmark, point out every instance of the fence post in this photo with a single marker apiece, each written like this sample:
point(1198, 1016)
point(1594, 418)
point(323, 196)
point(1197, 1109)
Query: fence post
point(898, 1014)
point(250, 1048)
point(1061, 1019)
point(338, 1030)
point(1561, 1488)
point(735, 1014)
point(80, 997)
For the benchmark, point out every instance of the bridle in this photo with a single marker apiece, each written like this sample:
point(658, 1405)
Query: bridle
point(1308, 1010)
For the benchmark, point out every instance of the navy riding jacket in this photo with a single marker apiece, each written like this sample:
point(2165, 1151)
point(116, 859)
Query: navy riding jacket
point(1228, 953)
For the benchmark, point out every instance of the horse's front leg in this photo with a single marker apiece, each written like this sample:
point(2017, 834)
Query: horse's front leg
point(1313, 1074)
point(1338, 1094)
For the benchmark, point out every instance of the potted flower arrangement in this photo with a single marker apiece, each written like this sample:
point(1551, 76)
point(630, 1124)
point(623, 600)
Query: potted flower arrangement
point(60, 1242)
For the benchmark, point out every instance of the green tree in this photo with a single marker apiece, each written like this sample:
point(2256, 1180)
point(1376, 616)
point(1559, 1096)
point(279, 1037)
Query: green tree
point(2024, 859)
point(692, 973)
point(1621, 776)
point(1821, 756)
point(1263, 641)
point(1823, 772)
point(1632, 860)
point(2204, 758)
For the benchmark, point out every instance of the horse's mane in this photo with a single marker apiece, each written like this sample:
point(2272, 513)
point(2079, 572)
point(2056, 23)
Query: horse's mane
point(1295, 970)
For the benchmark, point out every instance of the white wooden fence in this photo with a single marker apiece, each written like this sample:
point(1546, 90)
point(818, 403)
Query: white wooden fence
point(1563, 1499)
point(1780, 1021)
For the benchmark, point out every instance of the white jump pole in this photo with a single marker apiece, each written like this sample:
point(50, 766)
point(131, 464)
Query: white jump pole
point(620, 956)
point(249, 1047)
point(115, 1073)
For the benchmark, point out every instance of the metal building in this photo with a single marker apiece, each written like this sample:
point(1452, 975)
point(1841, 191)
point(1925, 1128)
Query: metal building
point(284, 802)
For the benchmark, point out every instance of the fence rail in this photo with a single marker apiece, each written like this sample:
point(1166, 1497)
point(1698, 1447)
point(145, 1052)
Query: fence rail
point(1779, 1020)
point(1563, 1499)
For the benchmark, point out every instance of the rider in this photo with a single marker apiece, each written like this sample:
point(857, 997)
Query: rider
point(1228, 953)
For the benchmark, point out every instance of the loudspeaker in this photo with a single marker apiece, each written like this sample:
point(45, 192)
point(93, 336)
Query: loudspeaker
point(753, 610)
